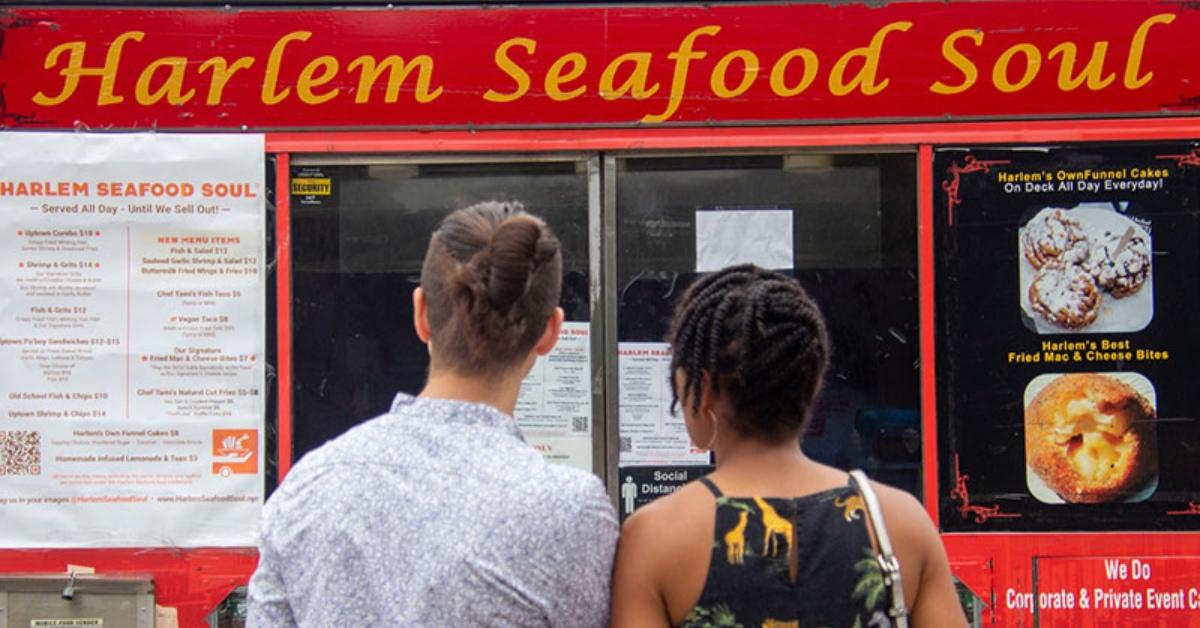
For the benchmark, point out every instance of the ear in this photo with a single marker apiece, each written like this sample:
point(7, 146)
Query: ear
point(707, 396)
point(420, 315)
point(550, 334)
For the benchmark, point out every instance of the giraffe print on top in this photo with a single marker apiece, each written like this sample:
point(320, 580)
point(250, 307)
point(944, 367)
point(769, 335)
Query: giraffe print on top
point(837, 581)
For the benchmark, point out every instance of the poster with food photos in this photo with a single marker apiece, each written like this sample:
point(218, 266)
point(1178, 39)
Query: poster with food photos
point(1067, 293)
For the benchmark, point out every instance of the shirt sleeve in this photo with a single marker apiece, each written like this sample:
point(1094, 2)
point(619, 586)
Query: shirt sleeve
point(267, 601)
point(582, 566)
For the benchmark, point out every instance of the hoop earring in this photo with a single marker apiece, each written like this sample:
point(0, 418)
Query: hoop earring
point(712, 440)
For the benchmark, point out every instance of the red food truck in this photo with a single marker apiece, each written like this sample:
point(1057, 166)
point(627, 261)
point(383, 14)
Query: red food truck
point(213, 217)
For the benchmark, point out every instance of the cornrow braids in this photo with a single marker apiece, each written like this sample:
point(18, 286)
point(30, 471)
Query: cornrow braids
point(760, 338)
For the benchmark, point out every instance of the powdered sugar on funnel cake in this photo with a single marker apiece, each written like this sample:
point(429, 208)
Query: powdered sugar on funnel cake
point(1087, 269)
point(1066, 295)
point(1120, 262)
point(1054, 235)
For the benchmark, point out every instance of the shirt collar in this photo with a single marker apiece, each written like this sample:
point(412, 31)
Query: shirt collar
point(457, 412)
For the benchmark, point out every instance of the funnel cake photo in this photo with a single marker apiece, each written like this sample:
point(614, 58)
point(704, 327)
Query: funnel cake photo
point(1087, 269)
point(1091, 438)
point(1054, 235)
point(1119, 262)
point(1065, 295)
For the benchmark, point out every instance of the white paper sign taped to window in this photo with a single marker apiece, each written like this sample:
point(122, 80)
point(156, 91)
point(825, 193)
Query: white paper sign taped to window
point(650, 433)
point(744, 236)
point(554, 408)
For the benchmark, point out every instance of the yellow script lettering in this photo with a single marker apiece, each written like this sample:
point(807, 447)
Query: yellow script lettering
point(318, 72)
point(779, 72)
point(270, 95)
point(634, 84)
point(514, 71)
point(1091, 73)
point(1137, 47)
point(171, 89)
point(719, 79)
point(959, 61)
point(865, 78)
point(221, 73)
point(75, 69)
point(398, 71)
point(1033, 63)
point(683, 56)
point(555, 77)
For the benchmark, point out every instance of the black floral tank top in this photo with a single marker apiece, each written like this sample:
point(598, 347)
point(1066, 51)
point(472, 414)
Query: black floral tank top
point(784, 563)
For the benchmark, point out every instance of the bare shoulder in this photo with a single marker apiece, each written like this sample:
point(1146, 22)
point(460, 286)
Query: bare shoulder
point(670, 536)
point(901, 509)
point(909, 525)
point(662, 558)
point(656, 522)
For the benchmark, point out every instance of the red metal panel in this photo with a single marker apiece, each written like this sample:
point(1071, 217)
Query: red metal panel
point(193, 581)
point(579, 66)
point(1012, 556)
point(283, 311)
point(929, 441)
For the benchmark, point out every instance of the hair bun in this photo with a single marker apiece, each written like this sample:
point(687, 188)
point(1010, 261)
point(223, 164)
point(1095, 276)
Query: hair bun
point(492, 277)
point(512, 259)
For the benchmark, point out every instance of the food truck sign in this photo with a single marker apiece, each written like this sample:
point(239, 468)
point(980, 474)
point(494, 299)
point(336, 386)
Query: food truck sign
point(1121, 590)
point(610, 66)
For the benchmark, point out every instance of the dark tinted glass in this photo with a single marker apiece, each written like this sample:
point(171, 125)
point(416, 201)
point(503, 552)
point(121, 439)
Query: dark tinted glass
point(854, 249)
point(358, 251)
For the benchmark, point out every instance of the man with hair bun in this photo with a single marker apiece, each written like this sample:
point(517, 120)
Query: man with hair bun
point(438, 513)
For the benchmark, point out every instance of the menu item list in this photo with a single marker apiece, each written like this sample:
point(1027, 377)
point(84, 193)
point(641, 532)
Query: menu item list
point(132, 337)
point(554, 408)
point(652, 432)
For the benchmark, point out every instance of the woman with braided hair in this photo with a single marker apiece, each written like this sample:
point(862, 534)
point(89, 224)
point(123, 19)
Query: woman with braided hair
point(771, 537)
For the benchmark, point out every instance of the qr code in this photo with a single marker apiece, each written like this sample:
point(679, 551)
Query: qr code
point(579, 424)
point(626, 444)
point(20, 453)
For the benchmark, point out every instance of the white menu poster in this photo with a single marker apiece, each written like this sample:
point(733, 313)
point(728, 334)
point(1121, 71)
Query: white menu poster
point(131, 339)
point(650, 433)
point(554, 409)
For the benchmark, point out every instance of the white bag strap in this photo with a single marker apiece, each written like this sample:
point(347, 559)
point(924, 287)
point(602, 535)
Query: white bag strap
point(884, 554)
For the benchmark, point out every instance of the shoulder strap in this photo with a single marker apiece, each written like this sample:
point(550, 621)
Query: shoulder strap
point(884, 554)
point(712, 487)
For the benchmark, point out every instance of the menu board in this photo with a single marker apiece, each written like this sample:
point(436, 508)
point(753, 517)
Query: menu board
point(554, 408)
point(652, 432)
point(131, 339)
point(1068, 317)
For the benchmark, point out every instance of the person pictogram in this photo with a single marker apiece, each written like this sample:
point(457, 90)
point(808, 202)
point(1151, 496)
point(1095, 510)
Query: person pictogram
point(629, 492)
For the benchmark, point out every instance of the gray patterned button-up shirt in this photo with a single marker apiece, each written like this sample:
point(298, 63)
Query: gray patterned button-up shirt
point(434, 514)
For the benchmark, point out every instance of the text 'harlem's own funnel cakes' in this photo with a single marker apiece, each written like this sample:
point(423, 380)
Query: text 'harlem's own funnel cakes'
point(1091, 438)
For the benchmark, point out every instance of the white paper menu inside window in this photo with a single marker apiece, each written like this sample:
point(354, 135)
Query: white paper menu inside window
point(554, 409)
point(650, 433)
point(744, 236)
point(132, 338)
